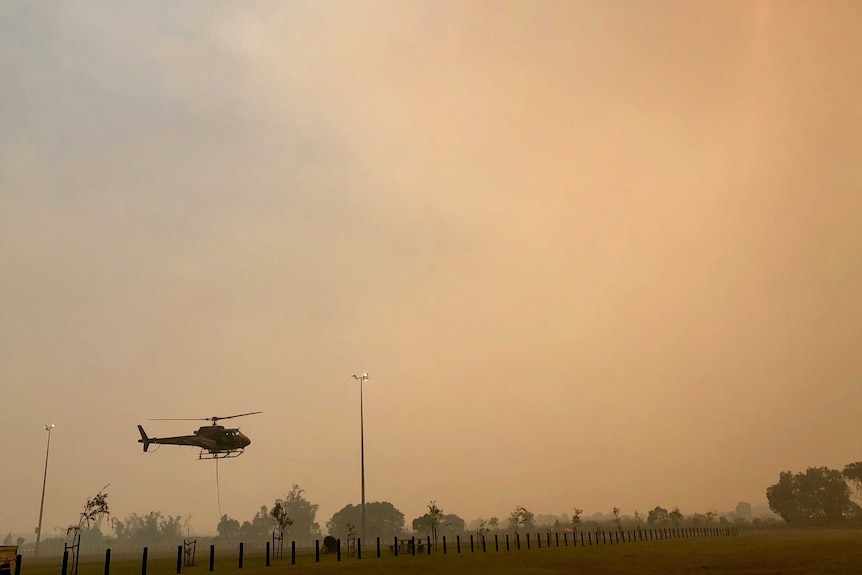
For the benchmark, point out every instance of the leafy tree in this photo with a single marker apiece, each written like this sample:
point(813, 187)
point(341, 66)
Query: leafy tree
point(658, 517)
point(494, 523)
point(576, 519)
point(302, 513)
point(20, 541)
point(520, 517)
point(675, 516)
point(258, 528)
point(743, 510)
point(451, 524)
point(853, 474)
point(227, 527)
point(382, 519)
point(279, 516)
point(818, 496)
point(430, 522)
point(148, 529)
point(94, 510)
point(710, 516)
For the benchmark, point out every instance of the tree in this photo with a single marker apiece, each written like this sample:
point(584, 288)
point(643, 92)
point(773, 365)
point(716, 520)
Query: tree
point(302, 513)
point(227, 527)
point(818, 496)
point(451, 524)
point(94, 510)
point(617, 519)
point(576, 519)
point(279, 516)
point(258, 528)
point(431, 521)
point(853, 474)
point(382, 519)
point(743, 510)
point(434, 515)
point(8, 539)
point(520, 517)
point(148, 529)
point(710, 516)
point(658, 516)
point(675, 516)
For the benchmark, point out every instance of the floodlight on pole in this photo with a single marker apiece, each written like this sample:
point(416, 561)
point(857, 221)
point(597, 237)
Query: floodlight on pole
point(362, 379)
point(48, 428)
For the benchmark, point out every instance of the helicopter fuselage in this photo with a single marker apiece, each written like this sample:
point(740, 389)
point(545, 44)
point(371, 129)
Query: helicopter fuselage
point(215, 439)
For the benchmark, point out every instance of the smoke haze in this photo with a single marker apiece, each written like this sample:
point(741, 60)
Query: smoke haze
point(591, 254)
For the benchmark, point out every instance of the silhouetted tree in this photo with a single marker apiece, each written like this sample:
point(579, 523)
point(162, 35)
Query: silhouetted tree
point(617, 519)
point(520, 517)
point(675, 516)
point(743, 510)
point(148, 529)
point(94, 510)
point(658, 516)
point(430, 522)
point(382, 519)
point(227, 527)
point(576, 519)
point(302, 513)
point(258, 528)
point(818, 496)
point(853, 474)
point(279, 516)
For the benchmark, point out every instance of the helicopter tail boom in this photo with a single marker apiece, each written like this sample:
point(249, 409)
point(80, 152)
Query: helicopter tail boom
point(144, 439)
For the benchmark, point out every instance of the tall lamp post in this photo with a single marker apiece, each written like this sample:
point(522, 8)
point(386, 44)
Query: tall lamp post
point(48, 428)
point(362, 379)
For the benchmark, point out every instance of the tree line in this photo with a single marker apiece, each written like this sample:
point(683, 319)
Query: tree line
point(818, 496)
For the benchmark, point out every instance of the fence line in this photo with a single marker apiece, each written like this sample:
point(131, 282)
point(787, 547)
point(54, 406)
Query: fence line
point(543, 540)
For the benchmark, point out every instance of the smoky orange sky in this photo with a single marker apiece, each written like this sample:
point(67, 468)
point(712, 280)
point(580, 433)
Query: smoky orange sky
point(592, 254)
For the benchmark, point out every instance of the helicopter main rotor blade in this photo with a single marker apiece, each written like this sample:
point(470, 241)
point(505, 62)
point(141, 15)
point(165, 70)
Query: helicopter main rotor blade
point(179, 419)
point(213, 419)
point(239, 415)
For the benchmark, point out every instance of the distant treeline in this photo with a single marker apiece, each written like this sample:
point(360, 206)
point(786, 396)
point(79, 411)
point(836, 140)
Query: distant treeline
point(819, 496)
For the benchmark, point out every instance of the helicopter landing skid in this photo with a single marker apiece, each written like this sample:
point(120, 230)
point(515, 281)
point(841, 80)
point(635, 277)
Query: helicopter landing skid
point(204, 454)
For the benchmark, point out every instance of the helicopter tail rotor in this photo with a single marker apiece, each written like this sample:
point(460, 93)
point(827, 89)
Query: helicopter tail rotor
point(144, 439)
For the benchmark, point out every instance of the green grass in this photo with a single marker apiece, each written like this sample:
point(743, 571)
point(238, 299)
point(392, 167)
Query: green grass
point(785, 552)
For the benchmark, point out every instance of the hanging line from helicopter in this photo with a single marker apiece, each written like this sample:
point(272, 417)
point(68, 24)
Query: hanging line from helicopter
point(218, 497)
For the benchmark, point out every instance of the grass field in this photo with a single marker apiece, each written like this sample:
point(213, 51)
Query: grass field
point(785, 552)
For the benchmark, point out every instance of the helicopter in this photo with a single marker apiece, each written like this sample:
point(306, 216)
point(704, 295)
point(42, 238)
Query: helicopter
point(214, 440)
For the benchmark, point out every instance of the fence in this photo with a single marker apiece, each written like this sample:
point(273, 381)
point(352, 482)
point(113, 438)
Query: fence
point(413, 546)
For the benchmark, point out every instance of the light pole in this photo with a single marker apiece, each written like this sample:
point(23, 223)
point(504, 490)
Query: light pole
point(48, 428)
point(362, 379)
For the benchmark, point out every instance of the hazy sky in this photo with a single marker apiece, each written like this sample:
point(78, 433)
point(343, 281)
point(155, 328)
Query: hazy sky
point(592, 254)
